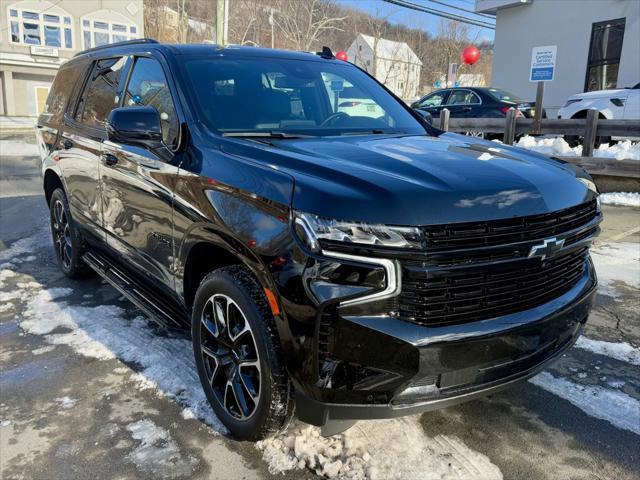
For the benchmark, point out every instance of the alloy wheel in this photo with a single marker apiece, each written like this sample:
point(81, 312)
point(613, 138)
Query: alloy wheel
point(230, 356)
point(62, 234)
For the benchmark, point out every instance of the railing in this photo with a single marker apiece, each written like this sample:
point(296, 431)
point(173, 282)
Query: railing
point(588, 128)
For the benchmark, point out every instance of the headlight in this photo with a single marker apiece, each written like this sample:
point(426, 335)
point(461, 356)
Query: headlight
point(569, 102)
point(314, 229)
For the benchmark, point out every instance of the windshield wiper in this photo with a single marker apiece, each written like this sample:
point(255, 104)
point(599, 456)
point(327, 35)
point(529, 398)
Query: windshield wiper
point(250, 134)
point(372, 132)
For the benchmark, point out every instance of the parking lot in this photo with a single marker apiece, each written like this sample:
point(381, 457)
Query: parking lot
point(90, 388)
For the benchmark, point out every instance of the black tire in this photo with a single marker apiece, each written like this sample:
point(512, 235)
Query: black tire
point(225, 365)
point(68, 244)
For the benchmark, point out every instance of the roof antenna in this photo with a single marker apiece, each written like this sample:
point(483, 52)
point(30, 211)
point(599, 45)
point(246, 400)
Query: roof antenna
point(326, 53)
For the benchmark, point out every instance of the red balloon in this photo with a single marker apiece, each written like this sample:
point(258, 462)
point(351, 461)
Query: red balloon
point(342, 55)
point(470, 55)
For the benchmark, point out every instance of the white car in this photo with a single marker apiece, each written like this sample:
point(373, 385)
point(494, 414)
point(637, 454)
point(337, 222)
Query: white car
point(621, 103)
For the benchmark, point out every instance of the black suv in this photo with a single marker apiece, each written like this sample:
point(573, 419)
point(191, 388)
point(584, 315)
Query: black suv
point(352, 262)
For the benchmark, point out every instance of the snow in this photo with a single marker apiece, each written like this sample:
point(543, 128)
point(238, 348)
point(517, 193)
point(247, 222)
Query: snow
point(627, 199)
point(620, 351)
point(103, 332)
point(17, 148)
point(559, 147)
point(614, 406)
point(66, 403)
point(379, 449)
point(158, 454)
point(616, 263)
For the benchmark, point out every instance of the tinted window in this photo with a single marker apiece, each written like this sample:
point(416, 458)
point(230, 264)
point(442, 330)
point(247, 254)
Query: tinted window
point(100, 95)
point(148, 86)
point(504, 96)
point(298, 96)
point(463, 97)
point(604, 54)
point(62, 89)
point(434, 100)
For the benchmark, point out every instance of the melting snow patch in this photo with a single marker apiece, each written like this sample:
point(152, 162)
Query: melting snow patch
point(42, 350)
point(382, 449)
point(620, 351)
point(158, 454)
point(626, 199)
point(66, 403)
point(616, 262)
point(615, 407)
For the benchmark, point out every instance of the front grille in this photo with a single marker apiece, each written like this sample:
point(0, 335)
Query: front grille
point(502, 232)
point(436, 297)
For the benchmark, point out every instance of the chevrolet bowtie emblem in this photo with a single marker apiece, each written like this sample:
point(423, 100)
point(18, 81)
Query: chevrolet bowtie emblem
point(547, 249)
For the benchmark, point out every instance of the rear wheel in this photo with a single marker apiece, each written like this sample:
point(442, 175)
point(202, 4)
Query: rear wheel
point(238, 355)
point(67, 239)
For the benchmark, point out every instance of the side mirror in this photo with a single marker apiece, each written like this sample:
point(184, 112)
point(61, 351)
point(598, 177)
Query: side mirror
point(426, 115)
point(135, 126)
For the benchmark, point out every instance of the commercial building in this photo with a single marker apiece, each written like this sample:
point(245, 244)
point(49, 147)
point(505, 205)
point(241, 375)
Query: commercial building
point(392, 63)
point(38, 36)
point(597, 45)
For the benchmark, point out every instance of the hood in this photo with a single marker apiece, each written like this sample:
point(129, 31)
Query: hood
point(420, 180)
point(619, 92)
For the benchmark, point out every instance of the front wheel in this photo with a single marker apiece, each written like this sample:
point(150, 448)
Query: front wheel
point(238, 355)
point(67, 239)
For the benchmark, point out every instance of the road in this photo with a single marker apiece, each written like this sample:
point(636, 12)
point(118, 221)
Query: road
point(90, 389)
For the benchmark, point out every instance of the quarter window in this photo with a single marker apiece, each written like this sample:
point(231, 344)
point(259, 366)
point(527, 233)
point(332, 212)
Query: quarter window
point(148, 86)
point(33, 27)
point(100, 95)
point(604, 55)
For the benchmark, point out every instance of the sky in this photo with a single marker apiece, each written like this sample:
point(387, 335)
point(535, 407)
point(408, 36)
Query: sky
point(424, 21)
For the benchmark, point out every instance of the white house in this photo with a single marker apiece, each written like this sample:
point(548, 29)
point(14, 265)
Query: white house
point(392, 63)
point(597, 45)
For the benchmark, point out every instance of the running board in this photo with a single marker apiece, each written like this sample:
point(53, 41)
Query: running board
point(168, 315)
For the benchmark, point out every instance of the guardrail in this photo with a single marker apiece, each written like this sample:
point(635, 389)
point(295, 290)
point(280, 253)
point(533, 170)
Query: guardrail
point(588, 128)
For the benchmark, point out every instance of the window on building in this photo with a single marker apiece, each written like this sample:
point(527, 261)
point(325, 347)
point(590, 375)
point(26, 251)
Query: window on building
point(99, 96)
point(604, 55)
point(148, 86)
point(104, 27)
point(50, 27)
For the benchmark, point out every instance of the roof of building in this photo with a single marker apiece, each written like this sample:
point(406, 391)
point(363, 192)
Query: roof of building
point(391, 50)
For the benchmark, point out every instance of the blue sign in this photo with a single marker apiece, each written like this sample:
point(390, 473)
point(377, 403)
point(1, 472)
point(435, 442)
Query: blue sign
point(544, 74)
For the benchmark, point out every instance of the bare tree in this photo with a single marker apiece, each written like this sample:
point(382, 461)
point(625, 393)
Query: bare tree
point(302, 23)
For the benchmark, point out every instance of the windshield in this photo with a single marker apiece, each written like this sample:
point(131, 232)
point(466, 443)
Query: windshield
point(504, 96)
point(293, 97)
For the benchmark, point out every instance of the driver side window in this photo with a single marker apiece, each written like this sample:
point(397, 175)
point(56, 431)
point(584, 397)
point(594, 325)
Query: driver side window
point(148, 86)
point(434, 100)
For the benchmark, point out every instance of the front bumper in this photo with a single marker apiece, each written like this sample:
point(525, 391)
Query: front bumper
point(383, 367)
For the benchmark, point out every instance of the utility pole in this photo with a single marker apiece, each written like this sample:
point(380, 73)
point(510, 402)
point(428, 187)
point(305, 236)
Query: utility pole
point(222, 21)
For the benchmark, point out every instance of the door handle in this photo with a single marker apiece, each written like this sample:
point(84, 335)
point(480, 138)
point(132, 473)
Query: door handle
point(67, 144)
point(109, 160)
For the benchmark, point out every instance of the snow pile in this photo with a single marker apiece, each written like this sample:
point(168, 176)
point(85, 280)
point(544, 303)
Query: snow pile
point(158, 454)
point(18, 148)
point(627, 199)
point(381, 449)
point(559, 147)
point(620, 351)
point(616, 262)
point(615, 407)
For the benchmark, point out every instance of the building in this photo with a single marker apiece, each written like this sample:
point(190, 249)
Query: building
point(392, 63)
point(38, 36)
point(597, 45)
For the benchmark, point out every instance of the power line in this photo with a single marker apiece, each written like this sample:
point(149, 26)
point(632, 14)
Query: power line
point(461, 9)
point(440, 13)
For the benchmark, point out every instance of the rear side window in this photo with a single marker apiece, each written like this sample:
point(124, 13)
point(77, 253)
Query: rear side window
point(148, 86)
point(61, 91)
point(100, 96)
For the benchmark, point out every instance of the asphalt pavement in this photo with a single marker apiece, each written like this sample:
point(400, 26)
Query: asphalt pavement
point(77, 401)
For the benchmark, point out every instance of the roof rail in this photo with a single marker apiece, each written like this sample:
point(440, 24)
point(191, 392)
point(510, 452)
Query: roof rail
point(137, 41)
